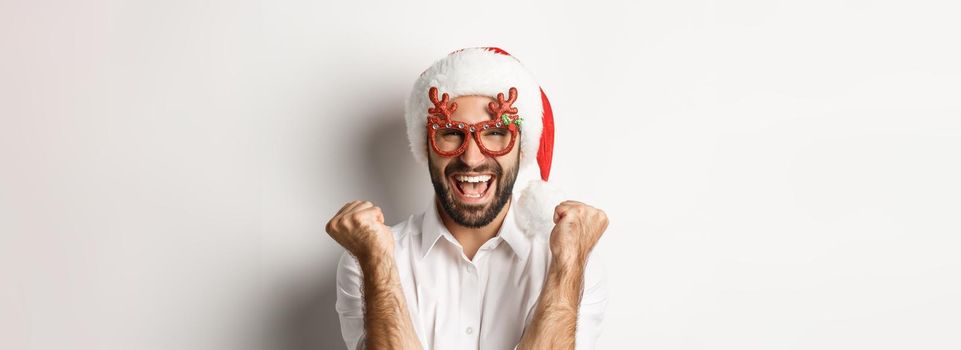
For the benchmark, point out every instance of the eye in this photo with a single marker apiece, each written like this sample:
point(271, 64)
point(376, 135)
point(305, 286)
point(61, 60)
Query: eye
point(448, 133)
point(496, 132)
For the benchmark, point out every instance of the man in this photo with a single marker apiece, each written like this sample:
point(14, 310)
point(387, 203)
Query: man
point(475, 271)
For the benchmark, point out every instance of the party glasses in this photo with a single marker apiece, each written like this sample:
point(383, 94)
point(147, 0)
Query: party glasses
point(449, 137)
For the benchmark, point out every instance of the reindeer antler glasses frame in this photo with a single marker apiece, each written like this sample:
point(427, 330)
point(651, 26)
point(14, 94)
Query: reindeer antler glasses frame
point(449, 137)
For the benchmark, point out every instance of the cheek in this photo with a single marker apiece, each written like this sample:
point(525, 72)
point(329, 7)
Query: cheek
point(436, 164)
point(514, 155)
point(509, 161)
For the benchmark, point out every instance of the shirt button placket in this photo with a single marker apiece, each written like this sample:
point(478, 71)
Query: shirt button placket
point(470, 307)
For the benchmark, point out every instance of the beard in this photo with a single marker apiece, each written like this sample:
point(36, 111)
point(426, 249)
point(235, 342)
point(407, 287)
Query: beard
point(473, 215)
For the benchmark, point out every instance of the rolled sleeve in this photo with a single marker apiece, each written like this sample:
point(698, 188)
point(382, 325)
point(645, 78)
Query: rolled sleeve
point(590, 315)
point(350, 301)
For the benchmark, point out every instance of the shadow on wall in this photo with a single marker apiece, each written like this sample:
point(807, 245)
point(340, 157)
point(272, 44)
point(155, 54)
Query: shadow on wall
point(393, 181)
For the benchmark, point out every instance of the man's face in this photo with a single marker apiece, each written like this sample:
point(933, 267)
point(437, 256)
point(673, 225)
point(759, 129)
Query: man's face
point(466, 200)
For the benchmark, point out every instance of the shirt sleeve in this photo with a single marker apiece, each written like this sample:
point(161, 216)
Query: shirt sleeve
point(350, 302)
point(590, 315)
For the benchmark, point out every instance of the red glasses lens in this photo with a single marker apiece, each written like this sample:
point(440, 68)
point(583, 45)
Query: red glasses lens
point(449, 139)
point(495, 139)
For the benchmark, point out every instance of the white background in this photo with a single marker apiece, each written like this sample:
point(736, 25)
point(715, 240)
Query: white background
point(780, 175)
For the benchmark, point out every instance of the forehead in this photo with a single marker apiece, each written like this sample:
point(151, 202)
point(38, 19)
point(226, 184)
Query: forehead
point(472, 109)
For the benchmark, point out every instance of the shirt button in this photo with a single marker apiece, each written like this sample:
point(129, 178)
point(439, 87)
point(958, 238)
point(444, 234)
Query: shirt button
point(469, 330)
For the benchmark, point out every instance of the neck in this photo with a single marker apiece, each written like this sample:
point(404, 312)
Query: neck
point(471, 238)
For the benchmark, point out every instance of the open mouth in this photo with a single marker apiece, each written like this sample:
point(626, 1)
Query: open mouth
point(472, 188)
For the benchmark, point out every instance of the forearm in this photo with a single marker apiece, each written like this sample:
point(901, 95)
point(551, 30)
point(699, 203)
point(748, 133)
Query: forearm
point(555, 317)
point(386, 318)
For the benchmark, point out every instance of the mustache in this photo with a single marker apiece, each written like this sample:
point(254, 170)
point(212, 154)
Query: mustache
point(458, 166)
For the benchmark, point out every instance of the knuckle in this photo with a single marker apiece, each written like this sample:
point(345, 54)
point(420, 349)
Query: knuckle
point(355, 216)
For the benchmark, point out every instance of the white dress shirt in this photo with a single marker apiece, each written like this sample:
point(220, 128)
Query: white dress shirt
point(458, 303)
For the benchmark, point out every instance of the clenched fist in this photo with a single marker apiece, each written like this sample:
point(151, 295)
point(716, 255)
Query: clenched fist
point(359, 228)
point(577, 227)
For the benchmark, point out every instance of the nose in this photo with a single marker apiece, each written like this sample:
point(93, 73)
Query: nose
point(472, 156)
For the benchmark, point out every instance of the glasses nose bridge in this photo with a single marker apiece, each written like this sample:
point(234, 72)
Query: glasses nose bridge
point(475, 150)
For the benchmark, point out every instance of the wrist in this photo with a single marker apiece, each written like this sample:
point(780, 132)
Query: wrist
point(568, 260)
point(566, 272)
point(372, 248)
point(375, 257)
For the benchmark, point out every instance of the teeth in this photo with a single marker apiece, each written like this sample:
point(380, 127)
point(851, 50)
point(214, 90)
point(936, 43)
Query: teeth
point(477, 195)
point(479, 178)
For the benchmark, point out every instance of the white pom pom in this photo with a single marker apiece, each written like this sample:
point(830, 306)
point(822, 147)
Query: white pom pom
point(535, 208)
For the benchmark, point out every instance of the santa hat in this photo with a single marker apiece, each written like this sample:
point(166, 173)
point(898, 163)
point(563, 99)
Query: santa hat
point(488, 71)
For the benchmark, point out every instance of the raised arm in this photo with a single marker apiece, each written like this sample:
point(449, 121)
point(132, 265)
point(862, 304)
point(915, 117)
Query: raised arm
point(359, 228)
point(576, 231)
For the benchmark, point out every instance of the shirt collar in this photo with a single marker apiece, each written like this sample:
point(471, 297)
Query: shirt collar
point(433, 228)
